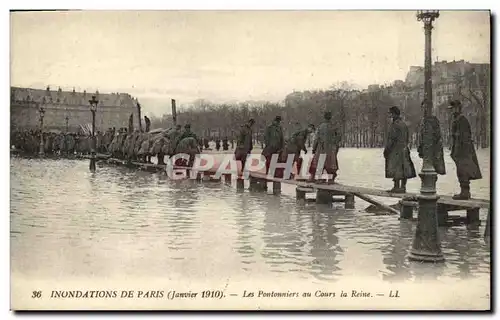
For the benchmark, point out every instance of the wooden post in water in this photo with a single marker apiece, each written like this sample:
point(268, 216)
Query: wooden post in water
point(406, 210)
point(254, 184)
point(442, 214)
point(349, 201)
point(473, 217)
point(276, 188)
point(300, 194)
point(323, 197)
point(240, 184)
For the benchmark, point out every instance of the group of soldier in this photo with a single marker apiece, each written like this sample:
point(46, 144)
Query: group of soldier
point(57, 143)
point(398, 164)
point(137, 145)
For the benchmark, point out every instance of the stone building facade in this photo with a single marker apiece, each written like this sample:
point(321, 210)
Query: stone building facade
point(113, 109)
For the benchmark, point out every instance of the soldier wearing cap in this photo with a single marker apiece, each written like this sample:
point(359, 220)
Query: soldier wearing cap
point(296, 144)
point(274, 140)
point(433, 147)
point(462, 151)
point(187, 133)
point(327, 142)
point(244, 143)
point(398, 164)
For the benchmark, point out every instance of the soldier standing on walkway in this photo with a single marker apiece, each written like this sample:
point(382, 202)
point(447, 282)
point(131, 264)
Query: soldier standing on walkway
point(462, 151)
point(244, 143)
point(398, 164)
point(296, 144)
point(436, 148)
point(274, 141)
point(327, 142)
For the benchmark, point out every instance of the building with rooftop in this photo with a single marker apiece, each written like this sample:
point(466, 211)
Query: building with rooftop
point(113, 109)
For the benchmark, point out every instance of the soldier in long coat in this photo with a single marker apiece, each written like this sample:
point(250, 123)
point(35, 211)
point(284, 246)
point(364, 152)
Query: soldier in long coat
point(174, 136)
point(431, 124)
point(327, 142)
point(296, 144)
point(244, 143)
point(274, 141)
point(398, 164)
point(462, 151)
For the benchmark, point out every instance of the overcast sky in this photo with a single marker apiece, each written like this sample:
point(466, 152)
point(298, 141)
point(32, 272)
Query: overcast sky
point(245, 55)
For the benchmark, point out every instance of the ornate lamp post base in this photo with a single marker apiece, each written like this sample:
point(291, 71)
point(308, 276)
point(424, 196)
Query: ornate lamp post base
point(426, 244)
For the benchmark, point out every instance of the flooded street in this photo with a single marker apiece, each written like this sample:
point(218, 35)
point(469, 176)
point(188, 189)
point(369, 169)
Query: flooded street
point(67, 222)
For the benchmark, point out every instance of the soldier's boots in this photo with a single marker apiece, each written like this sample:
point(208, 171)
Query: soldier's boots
point(464, 192)
point(396, 188)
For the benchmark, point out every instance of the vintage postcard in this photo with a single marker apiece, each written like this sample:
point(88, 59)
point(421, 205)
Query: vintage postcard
point(250, 160)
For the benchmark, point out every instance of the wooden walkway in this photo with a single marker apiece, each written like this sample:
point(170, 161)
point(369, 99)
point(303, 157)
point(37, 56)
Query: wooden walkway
point(313, 187)
point(332, 193)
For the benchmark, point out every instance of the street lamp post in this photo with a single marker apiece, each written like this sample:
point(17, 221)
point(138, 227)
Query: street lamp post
point(426, 245)
point(41, 152)
point(93, 107)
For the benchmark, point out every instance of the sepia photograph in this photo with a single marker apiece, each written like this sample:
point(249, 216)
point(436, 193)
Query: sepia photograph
point(250, 160)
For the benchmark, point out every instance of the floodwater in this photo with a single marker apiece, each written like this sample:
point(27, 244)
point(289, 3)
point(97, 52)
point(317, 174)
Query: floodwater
point(66, 221)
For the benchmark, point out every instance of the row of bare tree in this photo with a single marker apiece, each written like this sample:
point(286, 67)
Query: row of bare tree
point(361, 115)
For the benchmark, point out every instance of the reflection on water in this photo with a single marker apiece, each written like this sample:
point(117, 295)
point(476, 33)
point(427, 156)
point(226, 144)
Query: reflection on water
point(66, 221)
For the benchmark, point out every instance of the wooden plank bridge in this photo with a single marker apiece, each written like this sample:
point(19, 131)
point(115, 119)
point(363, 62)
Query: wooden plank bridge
point(330, 193)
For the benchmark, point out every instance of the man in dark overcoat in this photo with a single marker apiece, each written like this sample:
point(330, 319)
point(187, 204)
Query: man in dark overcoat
point(398, 164)
point(435, 148)
point(462, 151)
point(274, 141)
point(244, 144)
point(296, 144)
point(327, 142)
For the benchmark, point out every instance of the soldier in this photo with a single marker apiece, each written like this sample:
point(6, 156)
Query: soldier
point(436, 147)
point(188, 133)
point(244, 143)
point(327, 142)
point(217, 144)
point(225, 145)
point(296, 144)
point(185, 134)
point(462, 151)
point(174, 136)
point(274, 140)
point(398, 164)
point(205, 143)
